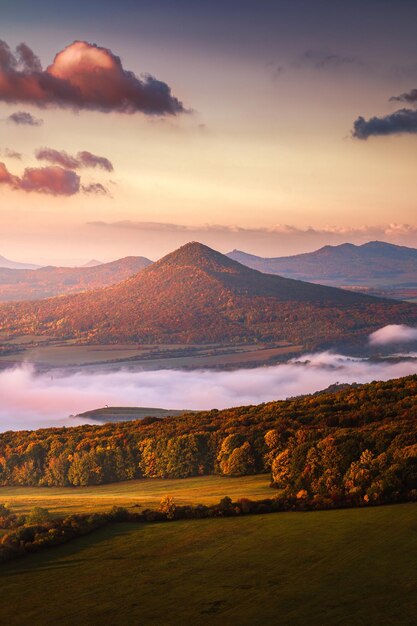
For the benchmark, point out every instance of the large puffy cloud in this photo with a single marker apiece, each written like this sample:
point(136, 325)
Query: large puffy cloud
point(53, 180)
point(399, 122)
point(83, 159)
point(392, 334)
point(23, 118)
point(82, 76)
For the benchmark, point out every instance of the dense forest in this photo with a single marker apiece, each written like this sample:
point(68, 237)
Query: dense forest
point(357, 444)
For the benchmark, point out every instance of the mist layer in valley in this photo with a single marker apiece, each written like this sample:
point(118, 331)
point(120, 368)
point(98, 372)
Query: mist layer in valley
point(35, 400)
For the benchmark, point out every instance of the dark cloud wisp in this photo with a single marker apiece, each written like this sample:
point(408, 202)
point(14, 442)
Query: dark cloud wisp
point(96, 188)
point(82, 160)
point(12, 154)
point(23, 118)
point(328, 60)
point(409, 97)
point(82, 76)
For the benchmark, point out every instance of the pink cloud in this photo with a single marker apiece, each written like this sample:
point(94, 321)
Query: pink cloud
point(52, 180)
point(83, 76)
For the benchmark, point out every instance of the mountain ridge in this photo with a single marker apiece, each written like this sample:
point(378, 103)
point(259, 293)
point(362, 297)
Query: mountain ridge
point(374, 263)
point(198, 295)
point(49, 281)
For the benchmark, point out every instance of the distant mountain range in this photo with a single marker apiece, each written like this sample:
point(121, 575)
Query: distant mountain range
point(375, 264)
point(16, 265)
point(197, 295)
point(24, 284)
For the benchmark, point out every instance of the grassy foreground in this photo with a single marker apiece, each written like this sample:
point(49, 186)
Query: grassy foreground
point(146, 492)
point(353, 566)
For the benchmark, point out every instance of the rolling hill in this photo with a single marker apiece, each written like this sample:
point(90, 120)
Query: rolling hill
point(32, 284)
point(197, 295)
point(373, 264)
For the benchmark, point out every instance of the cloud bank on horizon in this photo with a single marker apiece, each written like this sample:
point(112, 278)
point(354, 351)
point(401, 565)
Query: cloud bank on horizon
point(31, 400)
point(82, 76)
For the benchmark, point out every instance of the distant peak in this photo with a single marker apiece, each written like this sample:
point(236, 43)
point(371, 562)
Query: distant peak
point(92, 263)
point(198, 254)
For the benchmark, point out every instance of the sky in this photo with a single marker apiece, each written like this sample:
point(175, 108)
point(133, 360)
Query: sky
point(270, 126)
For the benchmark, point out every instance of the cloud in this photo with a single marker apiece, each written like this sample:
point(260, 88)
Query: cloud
point(399, 122)
point(83, 159)
point(5, 177)
point(22, 118)
point(12, 154)
point(58, 157)
point(53, 180)
point(31, 400)
point(82, 76)
point(87, 159)
point(409, 97)
point(96, 188)
point(393, 333)
point(284, 229)
point(327, 60)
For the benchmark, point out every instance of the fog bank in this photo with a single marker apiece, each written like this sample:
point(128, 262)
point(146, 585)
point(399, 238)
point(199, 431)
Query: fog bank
point(30, 400)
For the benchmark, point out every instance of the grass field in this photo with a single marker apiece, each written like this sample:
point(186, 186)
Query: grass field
point(356, 566)
point(145, 493)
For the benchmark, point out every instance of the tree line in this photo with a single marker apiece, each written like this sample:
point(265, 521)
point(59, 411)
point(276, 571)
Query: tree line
point(357, 444)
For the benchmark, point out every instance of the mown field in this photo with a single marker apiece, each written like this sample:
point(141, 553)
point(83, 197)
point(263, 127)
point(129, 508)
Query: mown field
point(353, 566)
point(141, 493)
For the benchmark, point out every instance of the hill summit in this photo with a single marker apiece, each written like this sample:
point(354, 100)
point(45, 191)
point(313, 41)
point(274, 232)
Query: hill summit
point(198, 295)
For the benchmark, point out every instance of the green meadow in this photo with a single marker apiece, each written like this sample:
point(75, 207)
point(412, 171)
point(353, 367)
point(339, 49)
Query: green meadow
point(355, 566)
point(143, 493)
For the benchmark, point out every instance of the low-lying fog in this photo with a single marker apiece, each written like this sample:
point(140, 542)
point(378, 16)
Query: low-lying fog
point(30, 400)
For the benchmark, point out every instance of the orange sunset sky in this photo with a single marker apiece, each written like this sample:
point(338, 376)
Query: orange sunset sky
point(260, 153)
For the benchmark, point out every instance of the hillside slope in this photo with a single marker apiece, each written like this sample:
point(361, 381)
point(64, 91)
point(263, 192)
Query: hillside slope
point(375, 263)
point(197, 295)
point(21, 284)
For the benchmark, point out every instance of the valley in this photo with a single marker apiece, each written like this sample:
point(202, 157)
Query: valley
point(48, 353)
